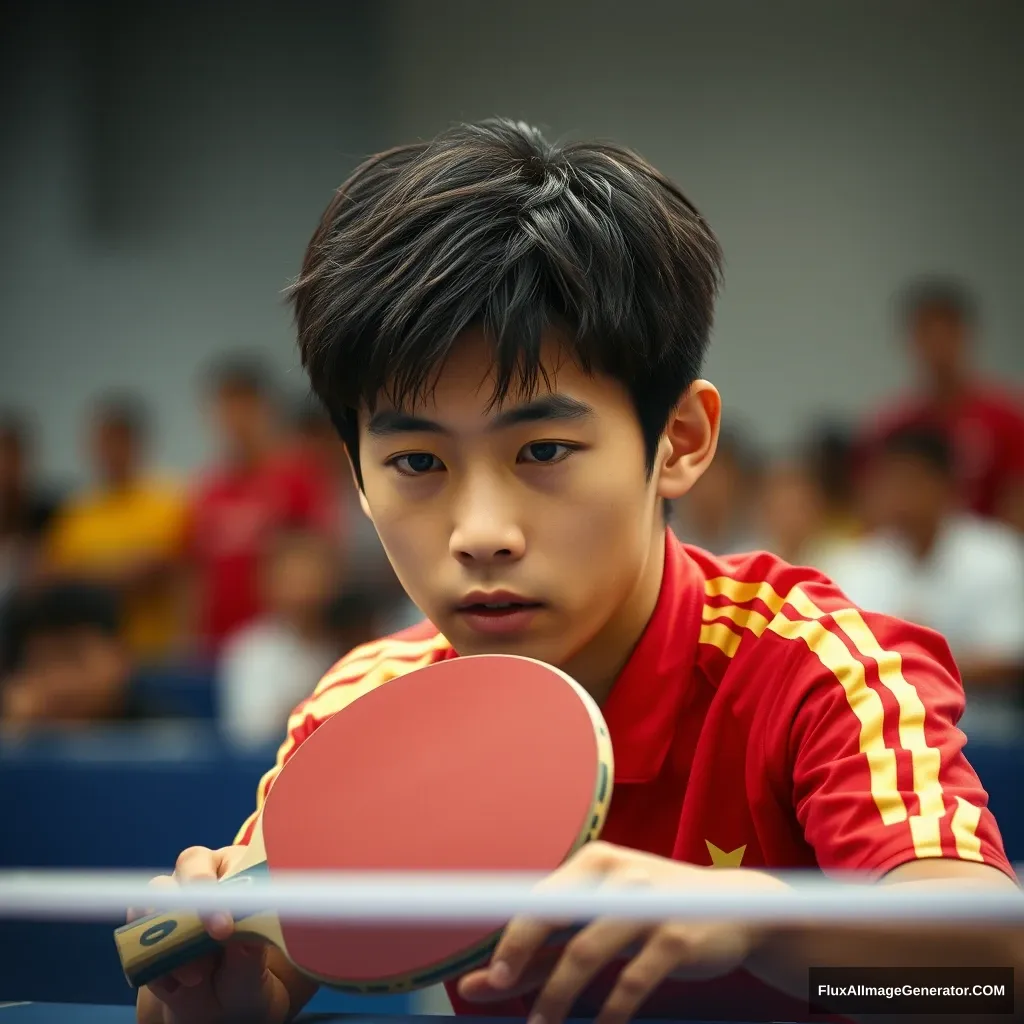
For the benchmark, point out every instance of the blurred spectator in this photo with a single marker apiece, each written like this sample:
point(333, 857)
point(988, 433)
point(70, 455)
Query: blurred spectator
point(259, 486)
point(318, 443)
point(25, 510)
point(830, 461)
point(273, 663)
point(984, 423)
point(70, 664)
point(792, 515)
point(716, 514)
point(126, 531)
point(956, 573)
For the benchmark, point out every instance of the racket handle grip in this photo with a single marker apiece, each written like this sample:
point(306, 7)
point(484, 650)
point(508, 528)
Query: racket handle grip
point(155, 945)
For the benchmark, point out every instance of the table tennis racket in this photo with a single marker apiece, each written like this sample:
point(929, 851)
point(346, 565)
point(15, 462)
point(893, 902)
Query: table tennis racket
point(484, 763)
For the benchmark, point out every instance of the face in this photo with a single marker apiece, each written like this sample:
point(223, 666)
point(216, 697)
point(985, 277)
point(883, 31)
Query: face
point(529, 529)
point(241, 419)
point(115, 451)
point(792, 508)
point(939, 341)
point(74, 674)
point(905, 493)
point(300, 578)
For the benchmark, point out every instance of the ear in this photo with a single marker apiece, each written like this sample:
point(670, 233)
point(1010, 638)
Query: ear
point(689, 441)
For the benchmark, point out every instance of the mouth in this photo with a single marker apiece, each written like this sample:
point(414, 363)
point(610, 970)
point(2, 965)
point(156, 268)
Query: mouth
point(501, 612)
point(499, 603)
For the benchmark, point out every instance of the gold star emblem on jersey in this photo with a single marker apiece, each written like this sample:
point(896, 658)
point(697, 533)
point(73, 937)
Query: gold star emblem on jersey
point(725, 858)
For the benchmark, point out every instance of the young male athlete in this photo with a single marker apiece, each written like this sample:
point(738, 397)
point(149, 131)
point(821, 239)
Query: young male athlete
point(509, 335)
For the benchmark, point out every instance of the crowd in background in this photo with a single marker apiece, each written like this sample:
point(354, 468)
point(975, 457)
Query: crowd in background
point(264, 569)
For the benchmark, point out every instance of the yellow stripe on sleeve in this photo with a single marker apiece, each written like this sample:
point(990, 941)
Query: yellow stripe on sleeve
point(863, 700)
point(965, 828)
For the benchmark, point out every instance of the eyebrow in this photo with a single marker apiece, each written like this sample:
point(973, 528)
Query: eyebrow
point(547, 408)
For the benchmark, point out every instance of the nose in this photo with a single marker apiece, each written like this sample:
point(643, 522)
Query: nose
point(486, 529)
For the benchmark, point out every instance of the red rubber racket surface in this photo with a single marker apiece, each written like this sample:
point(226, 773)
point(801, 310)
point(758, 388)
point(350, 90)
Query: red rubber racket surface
point(478, 764)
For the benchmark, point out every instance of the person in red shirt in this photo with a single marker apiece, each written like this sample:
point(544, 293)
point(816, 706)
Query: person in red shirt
point(983, 421)
point(509, 337)
point(259, 487)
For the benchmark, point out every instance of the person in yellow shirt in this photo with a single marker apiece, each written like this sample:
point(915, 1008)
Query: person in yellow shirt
point(127, 531)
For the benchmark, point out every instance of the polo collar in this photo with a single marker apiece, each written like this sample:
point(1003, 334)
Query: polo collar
point(643, 707)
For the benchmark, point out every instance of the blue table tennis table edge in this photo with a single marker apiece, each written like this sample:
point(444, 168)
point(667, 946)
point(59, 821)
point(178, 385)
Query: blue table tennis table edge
point(84, 1013)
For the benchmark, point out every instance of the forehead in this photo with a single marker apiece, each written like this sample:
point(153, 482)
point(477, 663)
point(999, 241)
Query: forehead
point(465, 386)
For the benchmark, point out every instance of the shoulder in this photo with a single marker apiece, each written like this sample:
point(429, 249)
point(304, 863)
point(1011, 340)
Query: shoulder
point(790, 626)
point(1000, 403)
point(371, 664)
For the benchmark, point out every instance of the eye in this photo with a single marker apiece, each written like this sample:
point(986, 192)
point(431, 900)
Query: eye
point(416, 463)
point(545, 452)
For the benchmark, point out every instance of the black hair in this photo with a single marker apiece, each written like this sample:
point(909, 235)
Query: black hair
point(59, 608)
point(930, 446)
point(123, 412)
point(490, 225)
point(945, 296)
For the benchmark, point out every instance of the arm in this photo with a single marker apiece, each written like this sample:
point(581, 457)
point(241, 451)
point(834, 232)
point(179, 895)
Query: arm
point(881, 786)
point(782, 956)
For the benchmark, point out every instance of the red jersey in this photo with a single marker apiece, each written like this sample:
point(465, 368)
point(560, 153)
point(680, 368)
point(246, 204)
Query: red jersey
point(986, 430)
point(233, 514)
point(762, 721)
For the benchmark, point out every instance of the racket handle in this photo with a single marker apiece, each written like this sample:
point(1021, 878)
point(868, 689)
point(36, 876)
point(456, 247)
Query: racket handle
point(155, 945)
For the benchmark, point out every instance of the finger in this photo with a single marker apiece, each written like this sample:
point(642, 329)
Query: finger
point(198, 864)
point(476, 986)
point(642, 975)
point(160, 881)
point(238, 982)
point(523, 937)
point(583, 958)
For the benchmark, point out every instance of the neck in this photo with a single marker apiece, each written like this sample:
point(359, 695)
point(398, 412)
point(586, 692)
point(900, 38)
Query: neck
point(597, 666)
point(948, 390)
point(119, 481)
point(923, 539)
point(252, 453)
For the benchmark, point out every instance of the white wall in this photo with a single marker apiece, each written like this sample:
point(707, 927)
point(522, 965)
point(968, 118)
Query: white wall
point(161, 176)
point(163, 166)
point(837, 148)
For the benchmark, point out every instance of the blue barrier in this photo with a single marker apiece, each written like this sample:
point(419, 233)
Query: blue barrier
point(123, 798)
point(135, 797)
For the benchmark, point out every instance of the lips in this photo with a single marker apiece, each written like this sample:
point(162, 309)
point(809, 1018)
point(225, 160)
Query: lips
point(498, 612)
point(496, 602)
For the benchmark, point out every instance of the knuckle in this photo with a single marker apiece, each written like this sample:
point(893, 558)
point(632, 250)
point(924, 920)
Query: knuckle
point(600, 854)
point(633, 985)
point(583, 954)
point(673, 943)
point(191, 859)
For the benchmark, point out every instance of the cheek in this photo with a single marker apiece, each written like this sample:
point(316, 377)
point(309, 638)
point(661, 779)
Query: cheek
point(597, 533)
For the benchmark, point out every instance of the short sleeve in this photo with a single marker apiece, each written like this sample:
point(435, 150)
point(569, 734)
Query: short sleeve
point(878, 771)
